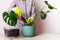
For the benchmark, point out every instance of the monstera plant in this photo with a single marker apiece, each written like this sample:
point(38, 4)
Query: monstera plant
point(43, 14)
point(10, 18)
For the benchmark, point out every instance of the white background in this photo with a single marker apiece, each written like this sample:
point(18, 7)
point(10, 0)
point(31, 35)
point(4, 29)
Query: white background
point(50, 25)
point(4, 5)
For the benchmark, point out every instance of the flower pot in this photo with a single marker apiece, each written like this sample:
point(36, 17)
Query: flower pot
point(11, 32)
point(28, 31)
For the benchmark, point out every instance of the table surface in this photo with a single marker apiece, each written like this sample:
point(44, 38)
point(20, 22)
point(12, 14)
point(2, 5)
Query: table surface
point(39, 37)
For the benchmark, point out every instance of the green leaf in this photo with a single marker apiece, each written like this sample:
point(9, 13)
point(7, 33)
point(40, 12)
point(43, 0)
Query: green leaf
point(46, 2)
point(12, 21)
point(47, 11)
point(43, 15)
point(5, 16)
point(13, 17)
point(30, 24)
point(50, 7)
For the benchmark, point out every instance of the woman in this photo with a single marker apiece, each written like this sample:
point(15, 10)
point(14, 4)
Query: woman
point(27, 8)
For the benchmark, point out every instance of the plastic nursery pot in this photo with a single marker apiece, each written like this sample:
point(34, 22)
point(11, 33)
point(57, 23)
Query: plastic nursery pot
point(14, 32)
point(28, 31)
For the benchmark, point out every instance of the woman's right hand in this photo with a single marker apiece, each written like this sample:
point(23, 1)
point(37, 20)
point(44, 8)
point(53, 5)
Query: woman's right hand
point(18, 11)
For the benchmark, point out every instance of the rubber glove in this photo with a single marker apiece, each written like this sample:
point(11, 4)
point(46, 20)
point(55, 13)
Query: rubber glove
point(17, 11)
point(30, 20)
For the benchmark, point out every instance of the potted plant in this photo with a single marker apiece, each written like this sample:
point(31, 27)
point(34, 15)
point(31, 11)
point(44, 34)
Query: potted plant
point(28, 29)
point(10, 18)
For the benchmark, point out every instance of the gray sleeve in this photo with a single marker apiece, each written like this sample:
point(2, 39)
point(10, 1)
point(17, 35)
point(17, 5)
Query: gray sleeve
point(12, 5)
point(33, 10)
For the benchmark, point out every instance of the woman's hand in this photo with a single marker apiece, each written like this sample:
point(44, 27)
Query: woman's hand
point(17, 11)
point(30, 20)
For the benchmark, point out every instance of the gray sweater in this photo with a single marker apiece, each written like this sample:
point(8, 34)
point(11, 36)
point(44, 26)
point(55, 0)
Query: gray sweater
point(28, 7)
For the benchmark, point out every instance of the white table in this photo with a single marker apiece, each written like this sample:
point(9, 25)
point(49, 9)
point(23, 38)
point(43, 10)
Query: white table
point(39, 37)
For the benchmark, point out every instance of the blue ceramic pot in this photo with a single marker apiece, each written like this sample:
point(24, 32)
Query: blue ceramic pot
point(28, 31)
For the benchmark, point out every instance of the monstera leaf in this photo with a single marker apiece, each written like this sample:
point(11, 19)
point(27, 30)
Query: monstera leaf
point(10, 18)
point(43, 15)
point(46, 2)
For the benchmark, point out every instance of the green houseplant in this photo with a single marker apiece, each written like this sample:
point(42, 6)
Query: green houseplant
point(28, 30)
point(11, 19)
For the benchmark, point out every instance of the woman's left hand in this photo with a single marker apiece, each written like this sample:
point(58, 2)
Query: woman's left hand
point(30, 20)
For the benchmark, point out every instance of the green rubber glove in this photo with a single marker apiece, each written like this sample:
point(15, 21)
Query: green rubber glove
point(17, 11)
point(30, 20)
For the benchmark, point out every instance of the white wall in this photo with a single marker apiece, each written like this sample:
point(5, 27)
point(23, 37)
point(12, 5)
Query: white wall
point(50, 24)
point(4, 5)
